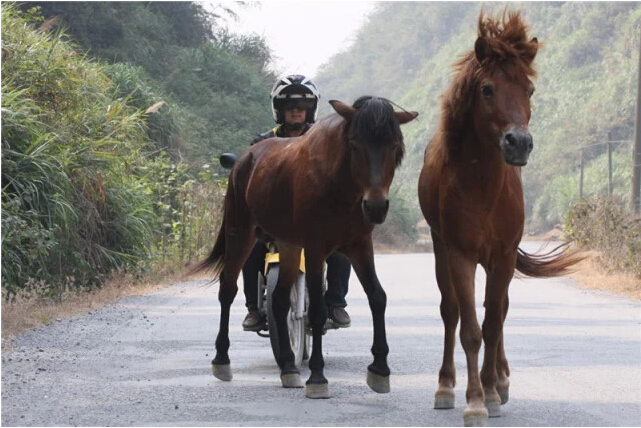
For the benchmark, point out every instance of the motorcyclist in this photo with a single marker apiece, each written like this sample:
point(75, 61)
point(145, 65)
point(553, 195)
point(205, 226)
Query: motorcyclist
point(295, 107)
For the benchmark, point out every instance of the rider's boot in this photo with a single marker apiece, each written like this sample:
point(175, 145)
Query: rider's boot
point(253, 321)
point(339, 316)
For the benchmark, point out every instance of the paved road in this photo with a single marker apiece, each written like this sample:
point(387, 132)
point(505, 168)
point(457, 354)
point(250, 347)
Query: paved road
point(575, 357)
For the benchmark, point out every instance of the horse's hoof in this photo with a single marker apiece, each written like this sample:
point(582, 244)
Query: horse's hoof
point(492, 402)
point(317, 390)
point(505, 395)
point(291, 380)
point(444, 398)
point(475, 416)
point(378, 383)
point(503, 388)
point(493, 408)
point(222, 371)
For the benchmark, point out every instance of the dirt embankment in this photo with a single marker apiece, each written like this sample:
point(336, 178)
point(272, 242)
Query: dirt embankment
point(27, 313)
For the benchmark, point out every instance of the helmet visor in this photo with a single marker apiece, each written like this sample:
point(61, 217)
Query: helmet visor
point(298, 103)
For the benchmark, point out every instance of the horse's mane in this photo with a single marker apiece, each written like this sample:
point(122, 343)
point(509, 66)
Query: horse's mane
point(510, 49)
point(375, 121)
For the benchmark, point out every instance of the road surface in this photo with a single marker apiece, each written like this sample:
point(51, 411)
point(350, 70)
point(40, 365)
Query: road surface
point(575, 357)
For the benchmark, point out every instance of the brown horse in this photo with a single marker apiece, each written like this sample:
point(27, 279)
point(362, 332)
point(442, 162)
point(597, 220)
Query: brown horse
point(471, 195)
point(324, 192)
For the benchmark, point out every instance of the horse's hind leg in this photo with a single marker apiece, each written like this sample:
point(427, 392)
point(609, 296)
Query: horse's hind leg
point(444, 398)
point(289, 266)
point(495, 311)
point(239, 241)
point(362, 258)
point(502, 367)
point(503, 372)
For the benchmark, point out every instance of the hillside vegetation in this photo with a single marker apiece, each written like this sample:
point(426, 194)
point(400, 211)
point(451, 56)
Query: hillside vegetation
point(113, 115)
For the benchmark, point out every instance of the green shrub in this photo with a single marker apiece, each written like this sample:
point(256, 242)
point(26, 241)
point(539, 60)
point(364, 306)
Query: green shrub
point(72, 208)
point(187, 210)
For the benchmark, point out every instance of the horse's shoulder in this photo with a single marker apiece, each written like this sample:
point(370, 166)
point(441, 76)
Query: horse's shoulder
point(437, 151)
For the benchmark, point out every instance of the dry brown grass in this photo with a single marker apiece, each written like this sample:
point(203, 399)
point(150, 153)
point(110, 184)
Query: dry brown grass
point(591, 274)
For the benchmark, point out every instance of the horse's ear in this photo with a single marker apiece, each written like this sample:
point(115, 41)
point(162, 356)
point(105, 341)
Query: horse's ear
point(405, 116)
point(343, 109)
point(482, 49)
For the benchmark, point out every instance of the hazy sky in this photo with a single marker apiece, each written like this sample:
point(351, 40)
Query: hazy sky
point(302, 34)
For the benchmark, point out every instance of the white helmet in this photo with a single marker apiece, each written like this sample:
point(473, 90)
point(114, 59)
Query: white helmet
point(298, 90)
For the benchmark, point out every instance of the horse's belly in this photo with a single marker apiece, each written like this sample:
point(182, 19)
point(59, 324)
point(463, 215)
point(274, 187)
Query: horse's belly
point(275, 217)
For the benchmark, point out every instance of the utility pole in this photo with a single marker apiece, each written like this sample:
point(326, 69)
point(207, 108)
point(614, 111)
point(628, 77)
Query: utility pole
point(581, 179)
point(635, 200)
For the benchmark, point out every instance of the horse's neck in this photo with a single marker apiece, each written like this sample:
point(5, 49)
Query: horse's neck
point(482, 166)
point(329, 158)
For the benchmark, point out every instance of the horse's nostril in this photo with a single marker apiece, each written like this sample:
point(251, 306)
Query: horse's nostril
point(511, 139)
point(372, 206)
point(375, 210)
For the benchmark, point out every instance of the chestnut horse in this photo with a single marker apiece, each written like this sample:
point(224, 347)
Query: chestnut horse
point(324, 192)
point(471, 195)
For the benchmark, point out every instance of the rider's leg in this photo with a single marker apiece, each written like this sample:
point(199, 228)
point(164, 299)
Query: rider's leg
point(338, 272)
point(255, 263)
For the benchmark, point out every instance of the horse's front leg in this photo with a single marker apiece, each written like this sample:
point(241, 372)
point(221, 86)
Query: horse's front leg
point(444, 398)
point(289, 265)
point(316, 386)
point(362, 258)
point(495, 312)
point(462, 268)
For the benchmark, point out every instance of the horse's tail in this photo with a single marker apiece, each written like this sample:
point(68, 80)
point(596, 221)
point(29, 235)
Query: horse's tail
point(216, 259)
point(549, 264)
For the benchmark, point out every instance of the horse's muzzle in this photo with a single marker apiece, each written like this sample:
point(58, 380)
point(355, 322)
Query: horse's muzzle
point(375, 210)
point(516, 146)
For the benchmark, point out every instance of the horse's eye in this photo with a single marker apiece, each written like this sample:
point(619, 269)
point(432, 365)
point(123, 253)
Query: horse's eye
point(353, 147)
point(529, 95)
point(487, 91)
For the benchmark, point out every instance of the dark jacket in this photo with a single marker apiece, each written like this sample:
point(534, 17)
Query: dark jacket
point(277, 131)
